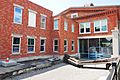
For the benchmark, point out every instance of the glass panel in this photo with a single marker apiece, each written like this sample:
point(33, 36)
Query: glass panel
point(72, 27)
point(104, 25)
point(97, 25)
point(32, 19)
point(56, 48)
point(15, 49)
point(55, 24)
point(81, 27)
point(17, 15)
point(16, 40)
point(30, 48)
point(42, 48)
point(65, 25)
point(42, 42)
point(65, 48)
point(43, 21)
point(55, 42)
point(65, 42)
point(87, 27)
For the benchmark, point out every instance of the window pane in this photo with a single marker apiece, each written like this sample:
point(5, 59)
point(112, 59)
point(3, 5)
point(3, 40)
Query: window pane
point(81, 27)
point(56, 48)
point(72, 27)
point(16, 40)
point(65, 48)
point(87, 25)
point(30, 41)
point(15, 49)
point(17, 15)
point(104, 25)
point(42, 48)
point(42, 42)
point(55, 42)
point(43, 21)
point(55, 24)
point(30, 48)
point(65, 25)
point(65, 42)
point(32, 19)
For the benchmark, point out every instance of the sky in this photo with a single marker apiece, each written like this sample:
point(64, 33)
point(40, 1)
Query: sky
point(58, 6)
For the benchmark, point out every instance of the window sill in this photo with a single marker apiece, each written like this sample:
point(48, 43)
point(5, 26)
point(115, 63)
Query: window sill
point(30, 52)
point(55, 51)
point(85, 33)
point(31, 26)
point(17, 23)
point(101, 32)
point(14, 54)
point(42, 51)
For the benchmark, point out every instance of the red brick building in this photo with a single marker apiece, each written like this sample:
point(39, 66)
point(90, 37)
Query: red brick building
point(29, 31)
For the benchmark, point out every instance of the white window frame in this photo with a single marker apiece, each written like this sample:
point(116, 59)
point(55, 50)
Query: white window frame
point(66, 45)
point(65, 25)
point(15, 5)
point(29, 10)
point(17, 36)
point(73, 28)
point(74, 14)
point(73, 45)
point(30, 37)
point(43, 38)
point(55, 45)
point(57, 25)
point(84, 28)
point(101, 26)
point(43, 22)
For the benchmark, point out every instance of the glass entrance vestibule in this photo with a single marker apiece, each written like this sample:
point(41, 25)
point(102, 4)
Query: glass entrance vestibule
point(94, 48)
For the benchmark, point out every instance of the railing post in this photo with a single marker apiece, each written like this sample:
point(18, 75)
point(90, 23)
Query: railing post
point(114, 64)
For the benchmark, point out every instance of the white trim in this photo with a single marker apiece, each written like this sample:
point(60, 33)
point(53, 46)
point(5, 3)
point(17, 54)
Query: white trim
point(43, 15)
point(18, 5)
point(16, 35)
point(66, 45)
point(27, 44)
point(14, 53)
point(30, 10)
point(43, 38)
point(86, 37)
point(31, 37)
point(55, 45)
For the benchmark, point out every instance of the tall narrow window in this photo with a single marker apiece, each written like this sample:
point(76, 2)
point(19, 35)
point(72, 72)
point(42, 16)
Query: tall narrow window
point(16, 41)
point(43, 21)
point(56, 24)
point(42, 44)
point(65, 25)
point(97, 26)
point(17, 15)
point(31, 45)
point(104, 25)
point(73, 46)
point(32, 18)
point(65, 45)
point(55, 43)
point(72, 27)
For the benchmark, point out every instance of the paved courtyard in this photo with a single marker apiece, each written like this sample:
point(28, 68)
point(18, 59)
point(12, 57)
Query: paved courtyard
point(69, 72)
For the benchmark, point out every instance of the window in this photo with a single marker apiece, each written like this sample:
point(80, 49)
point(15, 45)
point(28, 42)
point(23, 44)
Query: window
point(55, 45)
point(31, 45)
point(32, 18)
point(65, 25)
point(72, 27)
point(74, 15)
point(100, 25)
point(17, 15)
point(16, 41)
point(73, 46)
point(85, 27)
point(42, 44)
point(43, 21)
point(56, 24)
point(65, 45)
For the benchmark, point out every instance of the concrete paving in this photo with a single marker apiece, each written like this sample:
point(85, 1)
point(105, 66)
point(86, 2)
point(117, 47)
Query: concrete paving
point(69, 72)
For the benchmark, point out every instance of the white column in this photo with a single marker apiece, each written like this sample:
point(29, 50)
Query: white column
point(115, 36)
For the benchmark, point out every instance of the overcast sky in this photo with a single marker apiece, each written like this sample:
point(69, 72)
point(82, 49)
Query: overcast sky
point(59, 5)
